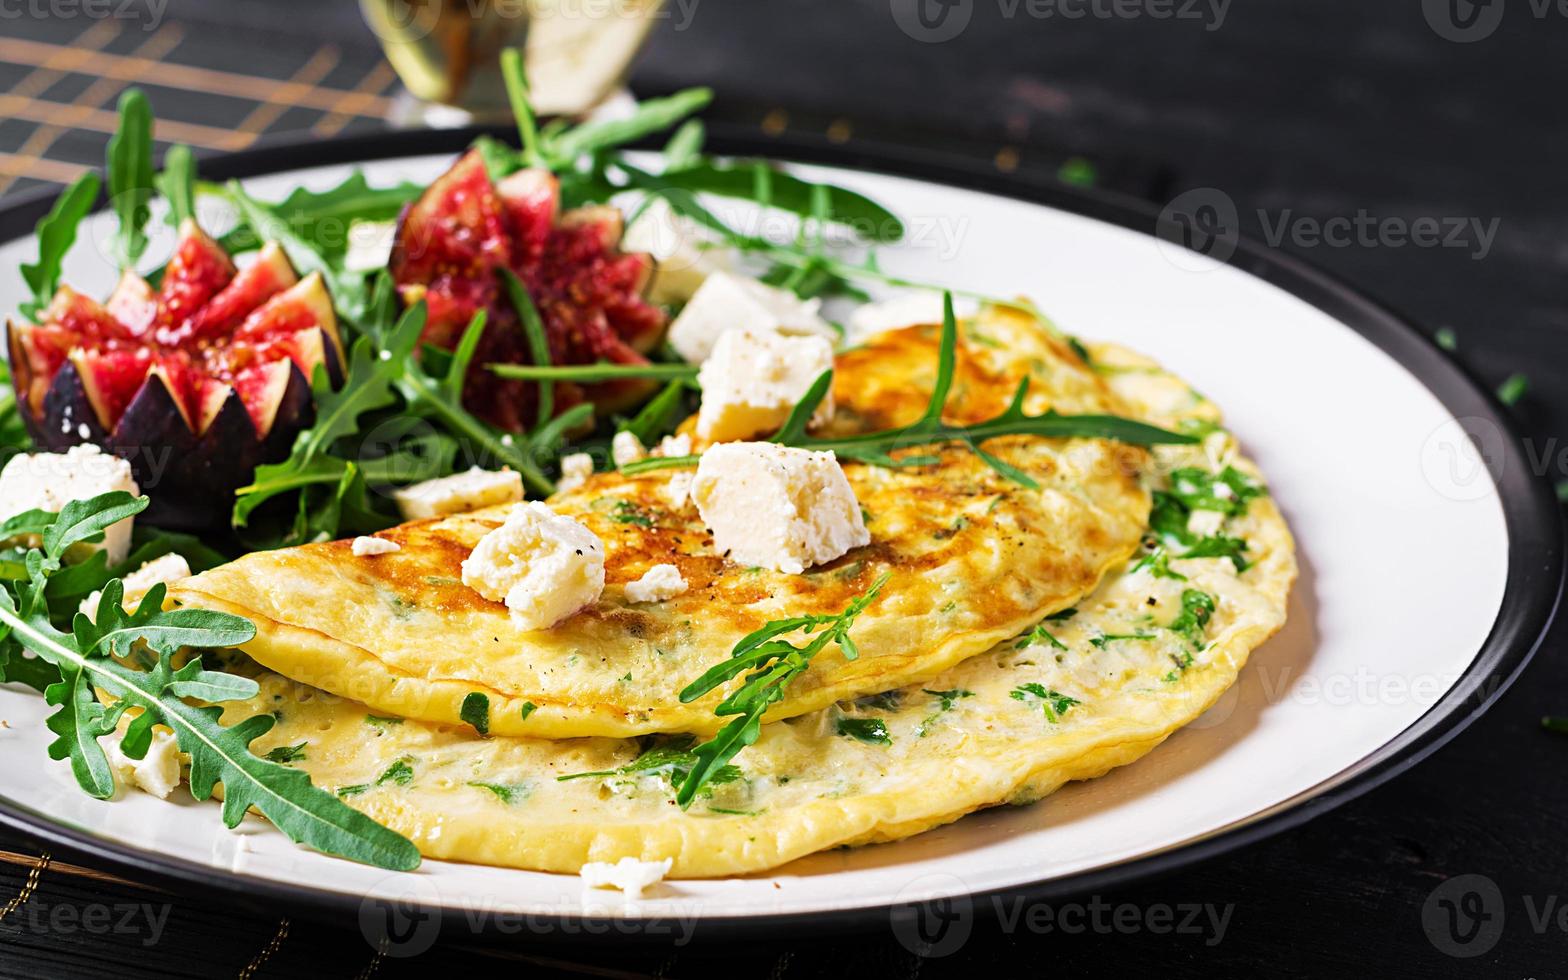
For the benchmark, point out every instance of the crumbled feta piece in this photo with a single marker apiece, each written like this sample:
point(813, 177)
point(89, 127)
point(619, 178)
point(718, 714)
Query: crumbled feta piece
point(543, 565)
point(753, 380)
point(657, 584)
point(157, 773)
point(673, 446)
point(575, 471)
point(904, 310)
point(1205, 523)
point(167, 570)
point(459, 493)
point(631, 876)
point(365, 547)
point(727, 302)
point(49, 481)
point(678, 490)
point(776, 506)
point(686, 252)
point(626, 448)
point(369, 245)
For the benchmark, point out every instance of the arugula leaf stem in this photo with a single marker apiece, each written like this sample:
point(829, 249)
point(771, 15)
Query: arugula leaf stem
point(516, 76)
point(602, 371)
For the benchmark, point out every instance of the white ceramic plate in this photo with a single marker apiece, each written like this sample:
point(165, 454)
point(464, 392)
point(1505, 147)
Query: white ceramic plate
point(1429, 569)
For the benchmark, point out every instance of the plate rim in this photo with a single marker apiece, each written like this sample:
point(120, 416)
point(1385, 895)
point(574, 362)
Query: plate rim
point(1531, 512)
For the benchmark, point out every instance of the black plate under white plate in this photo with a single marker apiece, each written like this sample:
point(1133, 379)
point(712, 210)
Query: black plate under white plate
point(1431, 566)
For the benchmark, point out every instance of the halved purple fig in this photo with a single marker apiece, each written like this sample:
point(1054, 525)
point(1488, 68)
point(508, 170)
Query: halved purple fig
point(590, 296)
point(195, 383)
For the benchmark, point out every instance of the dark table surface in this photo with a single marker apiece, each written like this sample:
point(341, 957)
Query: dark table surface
point(1308, 108)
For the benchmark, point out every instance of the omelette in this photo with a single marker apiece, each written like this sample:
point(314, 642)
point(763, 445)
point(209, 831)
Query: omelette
point(1069, 695)
point(970, 557)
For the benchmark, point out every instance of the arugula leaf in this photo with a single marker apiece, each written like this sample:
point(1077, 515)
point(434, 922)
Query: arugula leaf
point(367, 387)
point(1197, 608)
point(322, 219)
point(507, 793)
point(84, 659)
point(1039, 636)
point(872, 731)
point(657, 417)
point(945, 702)
point(684, 149)
point(1230, 491)
point(601, 371)
point(770, 664)
point(538, 345)
point(476, 712)
point(670, 757)
point(650, 116)
point(1054, 703)
point(177, 183)
point(288, 753)
point(516, 79)
point(875, 448)
point(130, 178)
point(789, 193)
point(399, 773)
point(56, 233)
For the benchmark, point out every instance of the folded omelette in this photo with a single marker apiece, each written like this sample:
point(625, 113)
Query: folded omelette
point(1077, 694)
point(972, 558)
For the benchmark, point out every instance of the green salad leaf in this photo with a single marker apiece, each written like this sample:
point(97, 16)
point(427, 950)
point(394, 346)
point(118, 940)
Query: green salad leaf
point(56, 233)
point(95, 654)
point(177, 183)
point(130, 178)
point(770, 663)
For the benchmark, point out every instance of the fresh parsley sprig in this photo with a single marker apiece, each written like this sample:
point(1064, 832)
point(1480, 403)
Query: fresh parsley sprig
point(877, 448)
point(770, 664)
point(91, 657)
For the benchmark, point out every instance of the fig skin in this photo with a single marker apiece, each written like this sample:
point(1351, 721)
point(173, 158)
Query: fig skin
point(189, 479)
point(190, 440)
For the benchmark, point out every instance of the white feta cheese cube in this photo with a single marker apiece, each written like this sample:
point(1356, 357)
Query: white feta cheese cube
point(575, 471)
point(167, 570)
point(626, 448)
point(1205, 523)
point(157, 773)
point(776, 506)
point(904, 310)
point(754, 379)
point(49, 481)
point(727, 302)
point(631, 876)
point(543, 565)
point(686, 252)
point(369, 245)
point(678, 490)
point(366, 547)
point(459, 493)
point(673, 446)
point(657, 584)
